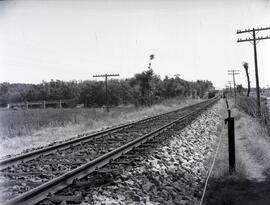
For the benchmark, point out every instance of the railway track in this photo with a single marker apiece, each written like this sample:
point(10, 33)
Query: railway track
point(29, 178)
point(4, 163)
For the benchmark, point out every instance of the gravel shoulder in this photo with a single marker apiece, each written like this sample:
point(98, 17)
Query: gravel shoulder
point(172, 173)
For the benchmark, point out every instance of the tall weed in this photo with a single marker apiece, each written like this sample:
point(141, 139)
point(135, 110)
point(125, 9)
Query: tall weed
point(249, 105)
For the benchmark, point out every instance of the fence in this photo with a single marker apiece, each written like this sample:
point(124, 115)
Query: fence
point(42, 104)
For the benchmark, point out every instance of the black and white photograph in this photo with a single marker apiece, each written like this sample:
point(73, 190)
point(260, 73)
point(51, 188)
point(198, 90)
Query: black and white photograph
point(135, 102)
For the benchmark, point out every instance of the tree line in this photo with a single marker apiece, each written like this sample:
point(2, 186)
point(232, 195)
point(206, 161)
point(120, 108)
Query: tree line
point(145, 88)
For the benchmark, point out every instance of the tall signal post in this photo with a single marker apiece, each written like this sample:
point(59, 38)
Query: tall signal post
point(233, 73)
point(254, 40)
point(106, 85)
point(150, 94)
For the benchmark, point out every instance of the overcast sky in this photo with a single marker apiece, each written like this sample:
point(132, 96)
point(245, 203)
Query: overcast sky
point(75, 39)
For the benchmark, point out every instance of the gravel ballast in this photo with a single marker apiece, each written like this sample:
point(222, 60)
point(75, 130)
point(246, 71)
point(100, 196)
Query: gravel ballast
point(172, 173)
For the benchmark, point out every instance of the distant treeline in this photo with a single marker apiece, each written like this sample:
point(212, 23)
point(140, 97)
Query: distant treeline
point(144, 88)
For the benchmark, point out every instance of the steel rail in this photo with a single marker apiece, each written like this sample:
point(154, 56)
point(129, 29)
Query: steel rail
point(39, 193)
point(50, 149)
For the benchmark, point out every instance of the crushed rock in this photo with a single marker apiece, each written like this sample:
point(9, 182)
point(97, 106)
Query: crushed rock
point(172, 173)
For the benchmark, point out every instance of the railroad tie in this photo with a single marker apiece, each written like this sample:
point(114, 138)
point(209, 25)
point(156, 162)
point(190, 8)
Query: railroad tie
point(87, 183)
point(152, 141)
point(61, 198)
point(133, 156)
point(147, 144)
point(140, 148)
point(124, 162)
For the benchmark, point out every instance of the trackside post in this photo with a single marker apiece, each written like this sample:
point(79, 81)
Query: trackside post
point(230, 122)
point(227, 104)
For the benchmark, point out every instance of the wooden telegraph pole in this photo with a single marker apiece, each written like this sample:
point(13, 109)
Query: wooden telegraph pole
point(254, 40)
point(230, 85)
point(233, 73)
point(106, 86)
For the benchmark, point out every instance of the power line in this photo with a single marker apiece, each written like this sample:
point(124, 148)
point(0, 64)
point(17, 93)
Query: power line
point(254, 40)
point(106, 85)
point(253, 29)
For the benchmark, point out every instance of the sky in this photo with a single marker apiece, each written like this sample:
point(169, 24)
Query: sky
point(76, 39)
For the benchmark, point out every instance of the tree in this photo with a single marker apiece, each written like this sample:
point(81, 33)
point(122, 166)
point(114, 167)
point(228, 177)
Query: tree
point(239, 89)
point(245, 65)
point(145, 88)
point(143, 80)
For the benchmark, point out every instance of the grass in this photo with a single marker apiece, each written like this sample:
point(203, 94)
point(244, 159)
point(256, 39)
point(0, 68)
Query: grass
point(27, 129)
point(249, 105)
point(250, 183)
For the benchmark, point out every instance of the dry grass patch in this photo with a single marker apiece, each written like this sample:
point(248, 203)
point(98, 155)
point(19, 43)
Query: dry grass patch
point(26, 129)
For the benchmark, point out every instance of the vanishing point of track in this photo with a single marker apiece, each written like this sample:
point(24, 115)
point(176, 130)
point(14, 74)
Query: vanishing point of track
point(30, 177)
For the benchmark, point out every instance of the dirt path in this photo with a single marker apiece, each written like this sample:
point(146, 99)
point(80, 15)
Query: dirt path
point(251, 183)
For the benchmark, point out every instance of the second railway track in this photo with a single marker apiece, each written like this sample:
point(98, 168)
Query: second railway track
point(28, 178)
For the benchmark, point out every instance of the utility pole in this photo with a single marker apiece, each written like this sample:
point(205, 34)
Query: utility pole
point(230, 84)
point(254, 40)
point(233, 73)
point(106, 86)
point(227, 88)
